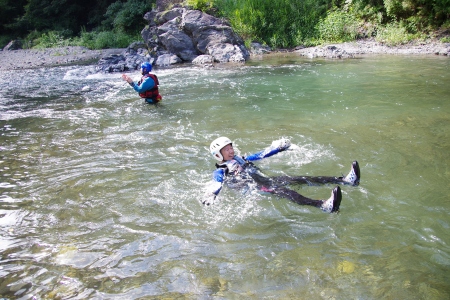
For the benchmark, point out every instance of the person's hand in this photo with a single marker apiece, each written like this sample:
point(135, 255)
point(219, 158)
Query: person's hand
point(127, 78)
point(208, 199)
point(282, 144)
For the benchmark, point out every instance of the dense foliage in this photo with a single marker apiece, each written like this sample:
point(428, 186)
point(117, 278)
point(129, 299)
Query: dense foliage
point(288, 23)
point(277, 23)
point(101, 23)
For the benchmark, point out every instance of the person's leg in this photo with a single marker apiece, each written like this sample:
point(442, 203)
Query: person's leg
point(330, 205)
point(309, 180)
point(352, 178)
point(295, 197)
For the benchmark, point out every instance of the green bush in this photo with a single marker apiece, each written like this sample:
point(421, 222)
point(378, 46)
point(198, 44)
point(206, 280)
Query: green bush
point(338, 26)
point(127, 17)
point(394, 34)
point(277, 23)
point(91, 40)
point(105, 39)
point(51, 39)
point(203, 5)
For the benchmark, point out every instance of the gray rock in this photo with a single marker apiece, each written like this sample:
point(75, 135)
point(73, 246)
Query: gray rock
point(176, 41)
point(13, 45)
point(203, 59)
point(259, 49)
point(180, 35)
point(166, 16)
point(223, 53)
point(194, 20)
point(167, 60)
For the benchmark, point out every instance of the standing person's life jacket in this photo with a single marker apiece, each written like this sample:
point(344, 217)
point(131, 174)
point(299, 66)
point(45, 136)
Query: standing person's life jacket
point(153, 93)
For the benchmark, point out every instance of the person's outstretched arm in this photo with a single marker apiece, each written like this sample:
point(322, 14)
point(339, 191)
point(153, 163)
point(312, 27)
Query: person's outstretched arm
point(276, 147)
point(214, 187)
point(146, 85)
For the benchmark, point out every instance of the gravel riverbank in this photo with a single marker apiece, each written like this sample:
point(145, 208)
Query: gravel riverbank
point(364, 47)
point(32, 58)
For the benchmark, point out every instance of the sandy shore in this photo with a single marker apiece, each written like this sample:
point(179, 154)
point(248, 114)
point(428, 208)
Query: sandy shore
point(28, 59)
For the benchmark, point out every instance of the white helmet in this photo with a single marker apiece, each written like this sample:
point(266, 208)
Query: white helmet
point(217, 145)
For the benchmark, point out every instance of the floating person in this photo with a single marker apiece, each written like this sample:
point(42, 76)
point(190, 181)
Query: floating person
point(147, 87)
point(239, 172)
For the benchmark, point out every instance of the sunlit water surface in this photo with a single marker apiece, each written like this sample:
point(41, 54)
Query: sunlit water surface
point(99, 192)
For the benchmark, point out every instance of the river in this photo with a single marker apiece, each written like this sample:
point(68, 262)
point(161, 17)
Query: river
point(99, 192)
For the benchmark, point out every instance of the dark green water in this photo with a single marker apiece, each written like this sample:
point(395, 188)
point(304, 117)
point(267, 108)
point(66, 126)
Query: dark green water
point(99, 192)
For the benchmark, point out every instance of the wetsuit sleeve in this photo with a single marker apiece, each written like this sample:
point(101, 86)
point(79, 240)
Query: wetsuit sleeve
point(276, 147)
point(146, 85)
point(214, 187)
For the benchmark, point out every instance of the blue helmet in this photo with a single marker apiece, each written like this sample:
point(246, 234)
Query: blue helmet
point(146, 67)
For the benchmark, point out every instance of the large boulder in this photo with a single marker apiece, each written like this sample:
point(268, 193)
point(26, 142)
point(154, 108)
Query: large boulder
point(224, 52)
point(209, 33)
point(180, 35)
point(176, 41)
point(194, 20)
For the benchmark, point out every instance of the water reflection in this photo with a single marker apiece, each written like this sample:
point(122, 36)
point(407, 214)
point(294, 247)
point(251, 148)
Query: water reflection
point(99, 191)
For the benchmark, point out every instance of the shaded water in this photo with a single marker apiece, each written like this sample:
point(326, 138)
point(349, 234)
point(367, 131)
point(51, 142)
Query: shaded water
point(99, 192)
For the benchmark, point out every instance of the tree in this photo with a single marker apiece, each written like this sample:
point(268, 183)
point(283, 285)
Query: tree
point(10, 10)
point(127, 17)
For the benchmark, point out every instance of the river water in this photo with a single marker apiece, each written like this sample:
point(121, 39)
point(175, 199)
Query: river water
point(99, 192)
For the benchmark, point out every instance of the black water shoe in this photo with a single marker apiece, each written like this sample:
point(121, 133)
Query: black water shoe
point(354, 175)
point(333, 203)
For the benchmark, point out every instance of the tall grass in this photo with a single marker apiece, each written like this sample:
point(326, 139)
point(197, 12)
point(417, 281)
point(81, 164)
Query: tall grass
point(393, 34)
point(277, 23)
point(106, 39)
point(91, 40)
point(338, 26)
point(203, 5)
point(51, 39)
point(289, 23)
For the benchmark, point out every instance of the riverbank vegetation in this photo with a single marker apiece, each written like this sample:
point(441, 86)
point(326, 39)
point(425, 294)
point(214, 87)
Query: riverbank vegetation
point(95, 24)
point(289, 23)
point(100, 24)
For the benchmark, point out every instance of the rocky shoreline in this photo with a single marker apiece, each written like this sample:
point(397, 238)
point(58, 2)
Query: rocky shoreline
point(365, 47)
point(29, 59)
point(51, 57)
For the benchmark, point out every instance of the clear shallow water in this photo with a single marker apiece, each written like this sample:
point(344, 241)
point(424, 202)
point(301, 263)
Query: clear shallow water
point(99, 192)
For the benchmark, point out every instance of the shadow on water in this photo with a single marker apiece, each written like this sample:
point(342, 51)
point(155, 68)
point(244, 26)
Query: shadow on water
point(99, 192)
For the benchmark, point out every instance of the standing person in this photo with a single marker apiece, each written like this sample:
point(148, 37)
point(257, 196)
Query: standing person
point(147, 87)
point(238, 172)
